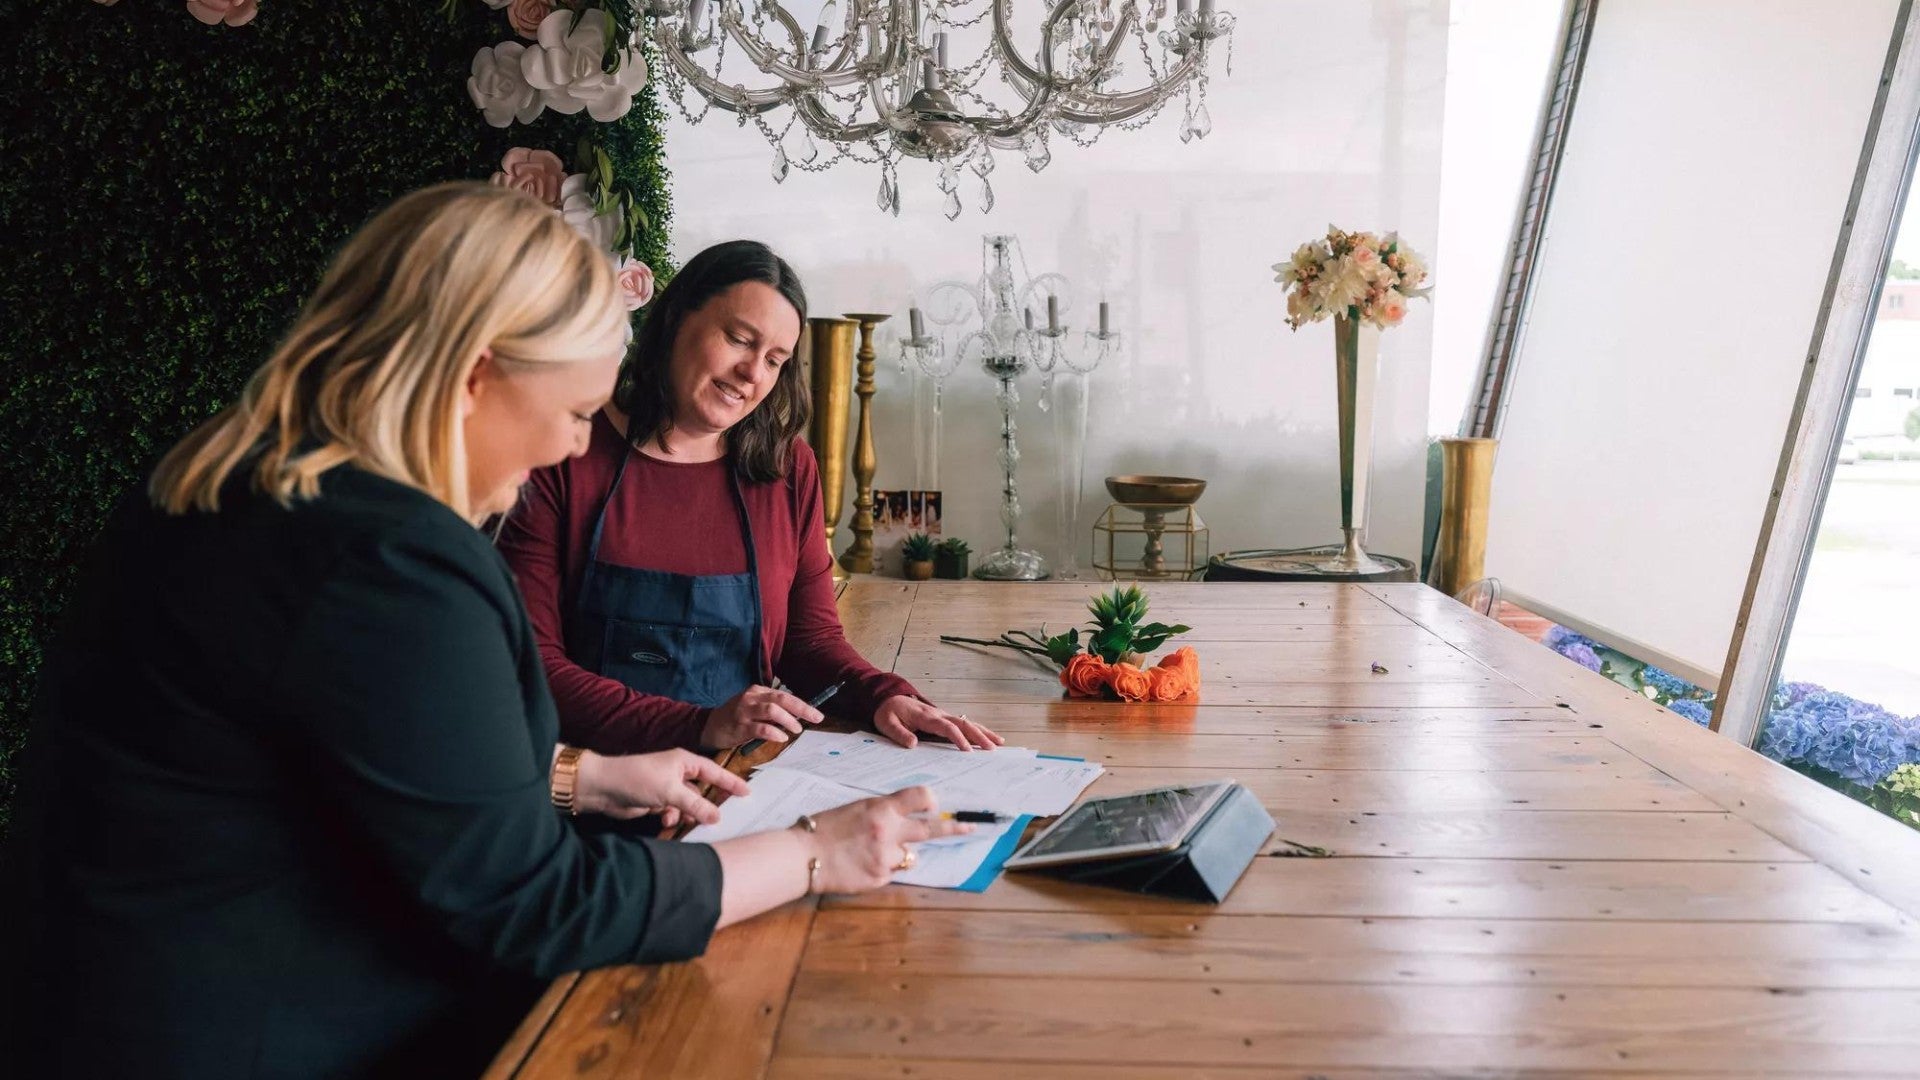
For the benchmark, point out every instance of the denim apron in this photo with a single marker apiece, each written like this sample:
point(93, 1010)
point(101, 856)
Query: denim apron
point(693, 638)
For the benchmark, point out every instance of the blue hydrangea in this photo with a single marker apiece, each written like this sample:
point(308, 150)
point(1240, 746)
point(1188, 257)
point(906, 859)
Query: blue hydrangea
point(1667, 683)
point(1791, 693)
point(1694, 710)
point(1854, 739)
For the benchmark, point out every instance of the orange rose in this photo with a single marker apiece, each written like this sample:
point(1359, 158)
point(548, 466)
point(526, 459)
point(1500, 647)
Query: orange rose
point(1168, 683)
point(1183, 657)
point(1129, 682)
point(1185, 661)
point(1084, 676)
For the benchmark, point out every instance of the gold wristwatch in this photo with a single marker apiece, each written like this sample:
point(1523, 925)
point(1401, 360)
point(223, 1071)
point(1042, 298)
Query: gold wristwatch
point(566, 770)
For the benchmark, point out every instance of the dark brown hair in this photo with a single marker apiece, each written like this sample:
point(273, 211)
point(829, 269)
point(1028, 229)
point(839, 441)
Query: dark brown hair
point(762, 444)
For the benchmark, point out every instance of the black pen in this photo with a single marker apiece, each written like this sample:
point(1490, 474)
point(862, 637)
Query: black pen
point(819, 699)
point(978, 817)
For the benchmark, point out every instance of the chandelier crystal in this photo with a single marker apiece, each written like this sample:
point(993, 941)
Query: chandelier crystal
point(875, 79)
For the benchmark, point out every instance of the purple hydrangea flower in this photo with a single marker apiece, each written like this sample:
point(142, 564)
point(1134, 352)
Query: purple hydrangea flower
point(1580, 653)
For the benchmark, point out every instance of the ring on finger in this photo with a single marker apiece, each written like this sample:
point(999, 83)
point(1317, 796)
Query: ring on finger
point(906, 858)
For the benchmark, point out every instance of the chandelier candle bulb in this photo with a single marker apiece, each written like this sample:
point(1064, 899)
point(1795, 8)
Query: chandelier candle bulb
point(940, 50)
point(1028, 313)
point(917, 322)
point(1206, 8)
point(697, 13)
point(1103, 310)
point(1053, 313)
point(1184, 7)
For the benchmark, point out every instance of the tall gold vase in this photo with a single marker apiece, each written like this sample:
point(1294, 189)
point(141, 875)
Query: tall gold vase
point(830, 352)
point(1466, 492)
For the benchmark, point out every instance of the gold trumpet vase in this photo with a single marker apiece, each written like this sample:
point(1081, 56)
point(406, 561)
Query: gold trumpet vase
point(830, 379)
point(1466, 479)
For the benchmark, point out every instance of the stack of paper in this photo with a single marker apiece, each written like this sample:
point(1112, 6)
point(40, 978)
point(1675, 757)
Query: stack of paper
point(1010, 780)
point(822, 770)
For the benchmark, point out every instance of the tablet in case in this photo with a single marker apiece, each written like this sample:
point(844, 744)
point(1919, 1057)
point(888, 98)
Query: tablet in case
point(1202, 867)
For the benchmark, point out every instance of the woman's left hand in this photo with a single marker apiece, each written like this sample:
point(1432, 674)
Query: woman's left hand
point(900, 717)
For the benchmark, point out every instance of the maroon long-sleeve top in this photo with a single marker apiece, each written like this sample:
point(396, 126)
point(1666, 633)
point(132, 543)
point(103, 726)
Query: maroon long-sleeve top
point(681, 519)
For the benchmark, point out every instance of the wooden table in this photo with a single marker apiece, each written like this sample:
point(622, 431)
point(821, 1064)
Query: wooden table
point(1536, 872)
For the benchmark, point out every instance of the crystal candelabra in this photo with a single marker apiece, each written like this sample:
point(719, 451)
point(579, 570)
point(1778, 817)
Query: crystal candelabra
point(879, 85)
point(1007, 344)
point(1069, 409)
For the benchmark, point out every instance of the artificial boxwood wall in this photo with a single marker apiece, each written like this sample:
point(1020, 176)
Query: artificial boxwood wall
point(169, 193)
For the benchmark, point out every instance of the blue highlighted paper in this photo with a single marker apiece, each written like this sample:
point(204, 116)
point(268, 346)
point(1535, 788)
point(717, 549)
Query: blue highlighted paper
point(997, 858)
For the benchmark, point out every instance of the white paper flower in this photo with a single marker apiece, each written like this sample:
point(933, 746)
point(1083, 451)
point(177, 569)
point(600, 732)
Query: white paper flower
point(498, 88)
point(566, 67)
point(577, 207)
point(497, 4)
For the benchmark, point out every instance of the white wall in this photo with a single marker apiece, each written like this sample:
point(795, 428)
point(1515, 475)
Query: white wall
point(1332, 115)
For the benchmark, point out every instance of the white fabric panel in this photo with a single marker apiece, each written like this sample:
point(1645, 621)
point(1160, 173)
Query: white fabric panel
point(1708, 166)
point(1332, 115)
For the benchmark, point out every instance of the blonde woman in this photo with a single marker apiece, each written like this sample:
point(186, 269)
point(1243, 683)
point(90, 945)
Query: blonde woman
point(294, 804)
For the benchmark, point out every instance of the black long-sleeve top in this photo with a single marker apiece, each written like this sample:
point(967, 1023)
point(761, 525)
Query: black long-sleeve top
point(286, 805)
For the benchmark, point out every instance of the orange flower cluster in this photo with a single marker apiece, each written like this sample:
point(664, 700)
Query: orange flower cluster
point(1175, 678)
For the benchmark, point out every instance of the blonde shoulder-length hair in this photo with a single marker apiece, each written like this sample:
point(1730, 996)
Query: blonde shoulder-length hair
point(372, 372)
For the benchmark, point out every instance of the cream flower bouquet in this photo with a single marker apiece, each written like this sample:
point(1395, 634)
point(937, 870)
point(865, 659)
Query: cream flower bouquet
point(1360, 275)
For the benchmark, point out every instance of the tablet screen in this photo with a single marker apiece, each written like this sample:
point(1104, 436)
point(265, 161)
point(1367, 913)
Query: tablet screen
point(1144, 821)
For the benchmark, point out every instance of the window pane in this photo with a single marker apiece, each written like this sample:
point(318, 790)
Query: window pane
point(1847, 711)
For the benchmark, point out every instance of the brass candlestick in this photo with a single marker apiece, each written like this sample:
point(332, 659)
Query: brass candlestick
point(830, 376)
point(859, 556)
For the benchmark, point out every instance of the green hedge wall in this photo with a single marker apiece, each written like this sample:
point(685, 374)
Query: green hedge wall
point(169, 194)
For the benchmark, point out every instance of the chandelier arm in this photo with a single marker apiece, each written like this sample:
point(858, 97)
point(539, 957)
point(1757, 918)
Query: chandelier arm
point(1010, 53)
point(751, 102)
point(772, 61)
point(823, 123)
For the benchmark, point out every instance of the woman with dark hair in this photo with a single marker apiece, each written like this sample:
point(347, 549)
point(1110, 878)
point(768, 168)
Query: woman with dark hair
point(680, 564)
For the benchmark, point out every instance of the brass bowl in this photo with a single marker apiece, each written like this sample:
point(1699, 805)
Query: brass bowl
point(1155, 490)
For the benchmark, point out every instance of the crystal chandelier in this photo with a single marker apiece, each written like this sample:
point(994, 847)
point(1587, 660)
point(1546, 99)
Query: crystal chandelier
point(878, 84)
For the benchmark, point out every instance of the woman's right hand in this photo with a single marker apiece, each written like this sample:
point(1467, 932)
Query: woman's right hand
point(758, 712)
point(627, 786)
point(861, 845)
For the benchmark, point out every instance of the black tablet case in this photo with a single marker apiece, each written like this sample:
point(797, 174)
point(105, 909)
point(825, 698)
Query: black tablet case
point(1204, 867)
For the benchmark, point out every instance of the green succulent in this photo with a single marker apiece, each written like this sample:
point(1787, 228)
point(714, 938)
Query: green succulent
point(917, 548)
point(955, 546)
point(1117, 627)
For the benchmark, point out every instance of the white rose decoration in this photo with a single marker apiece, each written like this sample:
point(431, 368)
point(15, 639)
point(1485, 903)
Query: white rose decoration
point(498, 88)
point(577, 207)
point(566, 67)
point(497, 4)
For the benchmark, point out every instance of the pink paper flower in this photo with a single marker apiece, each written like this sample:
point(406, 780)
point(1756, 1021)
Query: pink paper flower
point(537, 172)
point(636, 282)
point(231, 12)
point(525, 15)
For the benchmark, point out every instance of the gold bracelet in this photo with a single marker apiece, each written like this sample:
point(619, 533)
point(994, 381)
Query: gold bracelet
point(566, 771)
point(813, 861)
